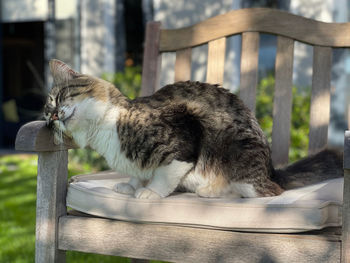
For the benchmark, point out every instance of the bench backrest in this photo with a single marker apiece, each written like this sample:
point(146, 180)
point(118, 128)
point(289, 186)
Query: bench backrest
point(250, 23)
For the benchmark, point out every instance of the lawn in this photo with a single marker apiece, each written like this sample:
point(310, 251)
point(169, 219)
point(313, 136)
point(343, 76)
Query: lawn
point(17, 211)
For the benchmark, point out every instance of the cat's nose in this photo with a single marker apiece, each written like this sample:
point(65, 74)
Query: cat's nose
point(54, 117)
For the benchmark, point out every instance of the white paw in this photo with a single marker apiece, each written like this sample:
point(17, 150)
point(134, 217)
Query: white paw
point(124, 188)
point(145, 193)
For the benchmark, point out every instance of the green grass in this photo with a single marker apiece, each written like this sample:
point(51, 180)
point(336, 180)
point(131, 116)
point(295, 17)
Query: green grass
point(17, 212)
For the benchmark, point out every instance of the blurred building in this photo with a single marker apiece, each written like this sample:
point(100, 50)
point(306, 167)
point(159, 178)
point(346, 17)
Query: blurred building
point(89, 35)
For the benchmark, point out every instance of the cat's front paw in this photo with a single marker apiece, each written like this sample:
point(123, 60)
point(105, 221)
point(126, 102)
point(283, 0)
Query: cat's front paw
point(145, 193)
point(124, 188)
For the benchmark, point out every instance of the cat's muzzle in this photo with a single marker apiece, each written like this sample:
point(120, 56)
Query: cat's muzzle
point(53, 117)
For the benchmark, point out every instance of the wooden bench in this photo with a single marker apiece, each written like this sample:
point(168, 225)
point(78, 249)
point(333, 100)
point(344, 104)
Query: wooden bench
point(57, 231)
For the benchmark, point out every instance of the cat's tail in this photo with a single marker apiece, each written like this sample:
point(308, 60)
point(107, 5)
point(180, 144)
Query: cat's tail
point(327, 164)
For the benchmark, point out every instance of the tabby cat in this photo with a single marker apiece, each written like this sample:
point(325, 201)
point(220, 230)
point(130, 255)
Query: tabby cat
point(188, 136)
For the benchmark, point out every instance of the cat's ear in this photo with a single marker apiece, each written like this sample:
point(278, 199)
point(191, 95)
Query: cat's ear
point(61, 72)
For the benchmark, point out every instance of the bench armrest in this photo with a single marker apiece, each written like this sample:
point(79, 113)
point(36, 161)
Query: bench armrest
point(36, 137)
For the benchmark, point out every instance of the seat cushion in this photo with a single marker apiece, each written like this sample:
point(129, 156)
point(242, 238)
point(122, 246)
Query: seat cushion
point(308, 208)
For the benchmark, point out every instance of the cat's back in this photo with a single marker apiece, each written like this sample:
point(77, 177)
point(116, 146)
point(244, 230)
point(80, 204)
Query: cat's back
point(215, 107)
point(189, 90)
point(198, 94)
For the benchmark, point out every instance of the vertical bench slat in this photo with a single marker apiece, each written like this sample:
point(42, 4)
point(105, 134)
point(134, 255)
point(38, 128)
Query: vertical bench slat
point(216, 61)
point(183, 64)
point(282, 104)
point(151, 60)
point(249, 68)
point(320, 99)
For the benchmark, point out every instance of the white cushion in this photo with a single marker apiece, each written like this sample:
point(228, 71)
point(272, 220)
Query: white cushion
point(307, 208)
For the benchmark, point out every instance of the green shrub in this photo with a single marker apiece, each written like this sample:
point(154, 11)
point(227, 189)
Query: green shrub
point(89, 160)
point(128, 82)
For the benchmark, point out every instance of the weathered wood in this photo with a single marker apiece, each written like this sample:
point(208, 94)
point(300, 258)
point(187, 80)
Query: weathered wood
point(348, 117)
point(136, 260)
point(51, 196)
point(216, 61)
point(249, 69)
point(346, 202)
point(36, 137)
point(183, 64)
point(282, 105)
point(320, 99)
point(151, 59)
point(347, 150)
point(185, 244)
point(257, 20)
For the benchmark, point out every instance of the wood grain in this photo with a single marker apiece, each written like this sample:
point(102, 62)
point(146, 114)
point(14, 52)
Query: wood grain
point(257, 20)
point(346, 218)
point(348, 117)
point(216, 61)
point(249, 69)
point(347, 150)
point(189, 244)
point(51, 204)
point(151, 60)
point(183, 65)
point(346, 201)
point(282, 105)
point(36, 137)
point(320, 99)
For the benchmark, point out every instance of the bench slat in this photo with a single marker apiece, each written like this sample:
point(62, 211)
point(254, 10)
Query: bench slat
point(191, 244)
point(249, 68)
point(183, 65)
point(257, 20)
point(151, 60)
point(282, 101)
point(320, 99)
point(216, 61)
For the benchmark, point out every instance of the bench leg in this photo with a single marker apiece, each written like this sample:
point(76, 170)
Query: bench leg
point(51, 204)
point(346, 219)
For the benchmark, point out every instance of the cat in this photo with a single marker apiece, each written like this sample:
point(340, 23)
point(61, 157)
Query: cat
point(188, 136)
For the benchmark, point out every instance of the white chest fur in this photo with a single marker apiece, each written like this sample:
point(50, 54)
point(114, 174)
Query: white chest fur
point(95, 125)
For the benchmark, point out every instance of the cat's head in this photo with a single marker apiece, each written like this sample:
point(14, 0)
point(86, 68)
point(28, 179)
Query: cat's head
point(70, 88)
